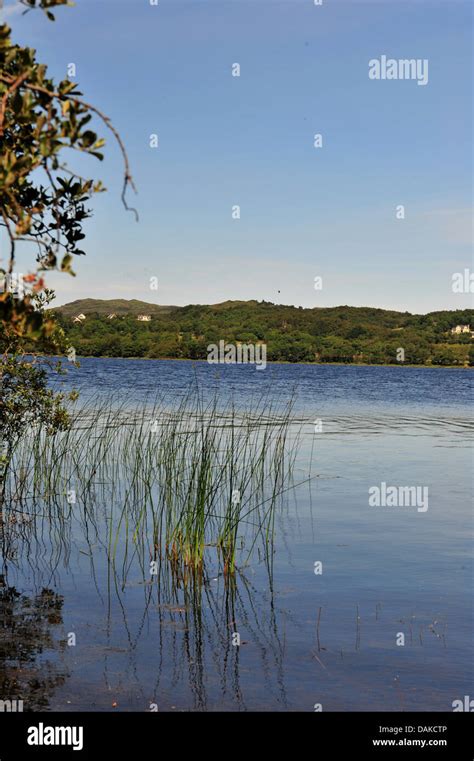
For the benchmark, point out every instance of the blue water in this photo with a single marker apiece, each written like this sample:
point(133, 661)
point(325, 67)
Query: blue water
point(386, 571)
point(336, 388)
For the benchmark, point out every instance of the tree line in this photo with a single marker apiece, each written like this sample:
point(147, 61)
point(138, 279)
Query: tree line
point(292, 334)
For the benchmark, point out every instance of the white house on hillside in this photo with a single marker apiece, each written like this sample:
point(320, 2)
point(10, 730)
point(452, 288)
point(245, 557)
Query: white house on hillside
point(79, 318)
point(144, 317)
point(461, 329)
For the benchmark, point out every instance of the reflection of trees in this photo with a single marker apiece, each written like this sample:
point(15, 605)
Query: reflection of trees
point(27, 624)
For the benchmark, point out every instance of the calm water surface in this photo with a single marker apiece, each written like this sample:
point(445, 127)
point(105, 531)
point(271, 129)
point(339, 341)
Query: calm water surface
point(306, 638)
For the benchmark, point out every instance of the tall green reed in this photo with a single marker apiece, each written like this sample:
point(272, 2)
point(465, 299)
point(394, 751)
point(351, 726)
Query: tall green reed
point(170, 483)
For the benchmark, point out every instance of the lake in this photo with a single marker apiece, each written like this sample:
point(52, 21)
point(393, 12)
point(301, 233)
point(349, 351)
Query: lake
point(354, 606)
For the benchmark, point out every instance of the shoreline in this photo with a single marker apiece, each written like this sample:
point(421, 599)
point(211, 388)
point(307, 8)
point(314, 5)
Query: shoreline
point(268, 362)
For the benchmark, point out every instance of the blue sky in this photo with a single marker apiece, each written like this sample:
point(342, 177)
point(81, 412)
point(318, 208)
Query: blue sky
point(248, 140)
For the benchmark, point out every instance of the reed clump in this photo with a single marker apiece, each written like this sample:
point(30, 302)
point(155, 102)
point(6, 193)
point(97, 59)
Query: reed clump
point(170, 483)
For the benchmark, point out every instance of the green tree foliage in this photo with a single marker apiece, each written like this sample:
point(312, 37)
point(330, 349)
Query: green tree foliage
point(25, 400)
point(43, 202)
point(338, 334)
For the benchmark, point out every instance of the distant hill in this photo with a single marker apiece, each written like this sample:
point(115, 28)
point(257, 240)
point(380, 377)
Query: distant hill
point(294, 334)
point(111, 306)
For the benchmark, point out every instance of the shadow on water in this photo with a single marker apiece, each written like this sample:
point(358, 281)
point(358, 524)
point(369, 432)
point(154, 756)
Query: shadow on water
point(31, 649)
